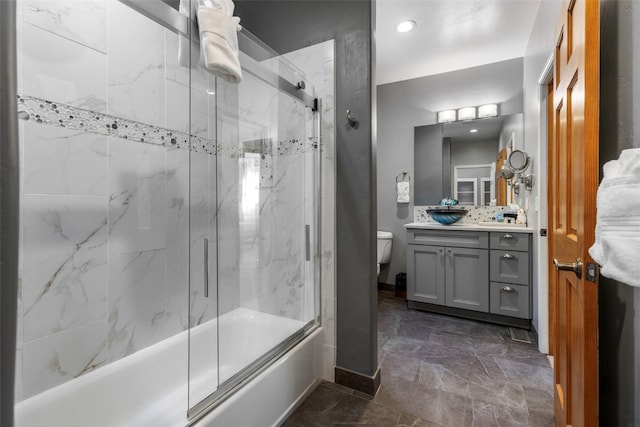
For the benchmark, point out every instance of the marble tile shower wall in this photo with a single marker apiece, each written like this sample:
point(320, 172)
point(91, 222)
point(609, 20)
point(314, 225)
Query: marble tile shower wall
point(107, 221)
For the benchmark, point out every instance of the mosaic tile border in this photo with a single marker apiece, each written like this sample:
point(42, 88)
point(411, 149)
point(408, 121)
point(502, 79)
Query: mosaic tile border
point(297, 146)
point(61, 115)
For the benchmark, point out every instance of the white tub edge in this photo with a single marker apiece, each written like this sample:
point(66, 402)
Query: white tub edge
point(275, 393)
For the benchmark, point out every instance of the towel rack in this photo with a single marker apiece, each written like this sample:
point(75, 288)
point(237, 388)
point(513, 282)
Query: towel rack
point(403, 176)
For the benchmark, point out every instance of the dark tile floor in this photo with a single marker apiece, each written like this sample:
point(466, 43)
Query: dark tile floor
point(440, 371)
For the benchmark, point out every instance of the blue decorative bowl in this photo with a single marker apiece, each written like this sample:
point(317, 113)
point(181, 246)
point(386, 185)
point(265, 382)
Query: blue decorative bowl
point(447, 216)
point(448, 201)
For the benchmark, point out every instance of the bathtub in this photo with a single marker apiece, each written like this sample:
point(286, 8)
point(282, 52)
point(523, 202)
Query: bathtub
point(149, 387)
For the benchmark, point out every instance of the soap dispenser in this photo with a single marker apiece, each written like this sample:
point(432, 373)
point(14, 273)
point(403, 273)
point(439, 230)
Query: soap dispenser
point(522, 217)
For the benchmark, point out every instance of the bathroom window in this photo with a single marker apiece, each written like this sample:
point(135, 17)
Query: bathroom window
point(486, 191)
point(473, 184)
point(466, 191)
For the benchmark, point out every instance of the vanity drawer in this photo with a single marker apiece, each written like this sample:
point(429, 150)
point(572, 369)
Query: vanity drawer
point(509, 241)
point(455, 238)
point(510, 300)
point(509, 267)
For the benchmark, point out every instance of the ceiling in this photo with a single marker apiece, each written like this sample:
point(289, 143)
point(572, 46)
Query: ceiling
point(486, 129)
point(450, 35)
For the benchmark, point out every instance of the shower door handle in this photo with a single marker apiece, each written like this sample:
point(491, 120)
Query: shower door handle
point(206, 267)
point(307, 238)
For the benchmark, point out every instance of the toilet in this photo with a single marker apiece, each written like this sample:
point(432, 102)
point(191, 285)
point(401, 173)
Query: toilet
point(385, 240)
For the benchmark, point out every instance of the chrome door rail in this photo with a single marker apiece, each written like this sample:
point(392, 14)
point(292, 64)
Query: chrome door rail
point(255, 368)
point(251, 49)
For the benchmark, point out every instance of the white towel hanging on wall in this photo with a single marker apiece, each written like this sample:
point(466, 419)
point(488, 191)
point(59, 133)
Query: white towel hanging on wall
point(617, 241)
point(403, 188)
point(404, 192)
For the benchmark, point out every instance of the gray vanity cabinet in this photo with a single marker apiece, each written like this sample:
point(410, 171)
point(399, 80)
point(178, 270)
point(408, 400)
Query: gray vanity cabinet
point(448, 268)
point(484, 275)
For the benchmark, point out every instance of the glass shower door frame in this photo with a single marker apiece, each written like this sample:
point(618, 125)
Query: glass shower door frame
point(171, 19)
point(229, 386)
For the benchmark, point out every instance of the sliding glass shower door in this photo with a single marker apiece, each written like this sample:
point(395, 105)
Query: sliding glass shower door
point(168, 218)
point(253, 225)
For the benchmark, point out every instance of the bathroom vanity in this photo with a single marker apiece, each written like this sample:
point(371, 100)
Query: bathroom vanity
point(479, 272)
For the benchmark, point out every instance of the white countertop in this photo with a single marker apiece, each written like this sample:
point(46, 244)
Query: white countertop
point(471, 227)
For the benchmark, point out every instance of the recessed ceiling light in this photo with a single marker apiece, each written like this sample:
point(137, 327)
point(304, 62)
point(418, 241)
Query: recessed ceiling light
point(406, 26)
point(473, 130)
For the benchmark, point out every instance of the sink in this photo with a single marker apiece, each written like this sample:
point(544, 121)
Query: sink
point(447, 216)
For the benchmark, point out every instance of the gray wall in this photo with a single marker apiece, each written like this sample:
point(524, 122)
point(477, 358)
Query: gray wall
point(541, 45)
point(290, 25)
point(473, 152)
point(513, 125)
point(9, 209)
point(619, 305)
point(404, 105)
point(428, 152)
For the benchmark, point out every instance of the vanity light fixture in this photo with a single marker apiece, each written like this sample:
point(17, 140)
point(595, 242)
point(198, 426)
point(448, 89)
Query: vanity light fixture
point(447, 116)
point(406, 26)
point(488, 110)
point(467, 113)
point(473, 130)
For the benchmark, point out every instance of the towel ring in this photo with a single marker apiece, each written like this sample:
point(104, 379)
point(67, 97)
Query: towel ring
point(401, 177)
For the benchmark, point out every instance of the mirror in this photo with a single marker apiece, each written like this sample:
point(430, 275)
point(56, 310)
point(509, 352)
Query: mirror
point(466, 160)
point(518, 161)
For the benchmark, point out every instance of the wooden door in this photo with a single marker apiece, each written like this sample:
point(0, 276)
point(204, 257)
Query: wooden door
point(501, 181)
point(573, 163)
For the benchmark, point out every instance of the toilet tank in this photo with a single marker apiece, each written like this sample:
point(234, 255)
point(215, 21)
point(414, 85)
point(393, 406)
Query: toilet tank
point(385, 239)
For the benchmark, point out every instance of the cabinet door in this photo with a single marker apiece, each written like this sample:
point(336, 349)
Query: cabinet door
point(425, 275)
point(467, 278)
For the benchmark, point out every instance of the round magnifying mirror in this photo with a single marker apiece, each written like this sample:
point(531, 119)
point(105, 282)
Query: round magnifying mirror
point(506, 172)
point(518, 161)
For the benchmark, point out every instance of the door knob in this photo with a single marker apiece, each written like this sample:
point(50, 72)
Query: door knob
point(576, 267)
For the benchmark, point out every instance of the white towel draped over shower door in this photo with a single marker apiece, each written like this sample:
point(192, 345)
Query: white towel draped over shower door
point(219, 53)
point(617, 241)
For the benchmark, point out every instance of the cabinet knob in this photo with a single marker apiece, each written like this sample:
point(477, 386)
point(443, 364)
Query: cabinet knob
point(508, 236)
point(449, 252)
point(441, 251)
point(508, 289)
point(507, 256)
